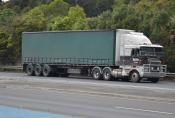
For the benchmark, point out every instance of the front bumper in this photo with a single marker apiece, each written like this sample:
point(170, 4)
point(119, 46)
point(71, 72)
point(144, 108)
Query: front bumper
point(153, 75)
point(154, 71)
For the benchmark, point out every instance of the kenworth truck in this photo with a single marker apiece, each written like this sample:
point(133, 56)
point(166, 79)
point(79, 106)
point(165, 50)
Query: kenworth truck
point(121, 53)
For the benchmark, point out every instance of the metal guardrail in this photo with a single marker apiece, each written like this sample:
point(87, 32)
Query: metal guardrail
point(170, 74)
point(11, 68)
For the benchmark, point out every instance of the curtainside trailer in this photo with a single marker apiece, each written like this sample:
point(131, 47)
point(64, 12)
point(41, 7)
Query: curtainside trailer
point(104, 55)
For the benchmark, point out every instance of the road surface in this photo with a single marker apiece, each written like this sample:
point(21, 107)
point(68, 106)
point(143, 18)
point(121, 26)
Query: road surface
point(84, 98)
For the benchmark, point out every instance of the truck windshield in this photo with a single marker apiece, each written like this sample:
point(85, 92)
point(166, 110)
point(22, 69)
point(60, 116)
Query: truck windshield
point(151, 51)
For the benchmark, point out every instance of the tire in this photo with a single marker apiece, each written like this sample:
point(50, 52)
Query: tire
point(46, 70)
point(38, 70)
point(107, 73)
point(155, 80)
point(96, 73)
point(134, 77)
point(30, 70)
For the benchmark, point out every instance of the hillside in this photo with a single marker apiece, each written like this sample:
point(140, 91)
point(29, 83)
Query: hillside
point(156, 18)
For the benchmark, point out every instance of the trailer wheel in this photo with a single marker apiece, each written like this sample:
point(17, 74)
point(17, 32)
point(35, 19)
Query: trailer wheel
point(155, 80)
point(107, 73)
point(46, 70)
point(30, 70)
point(134, 76)
point(38, 70)
point(96, 73)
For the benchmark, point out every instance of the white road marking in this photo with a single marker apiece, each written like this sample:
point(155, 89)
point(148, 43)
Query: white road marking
point(144, 110)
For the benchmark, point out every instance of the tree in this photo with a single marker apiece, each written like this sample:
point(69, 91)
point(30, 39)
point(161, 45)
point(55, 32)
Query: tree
point(156, 18)
point(60, 23)
point(3, 44)
point(105, 21)
point(93, 7)
point(75, 20)
point(57, 8)
point(171, 23)
point(21, 6)
point(6, 16)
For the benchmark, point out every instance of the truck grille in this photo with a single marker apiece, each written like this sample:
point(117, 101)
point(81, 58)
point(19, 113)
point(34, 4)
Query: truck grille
point(154, 68)
point(151, 70)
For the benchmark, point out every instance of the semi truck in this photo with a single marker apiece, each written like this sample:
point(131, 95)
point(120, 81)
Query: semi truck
point(102, 54)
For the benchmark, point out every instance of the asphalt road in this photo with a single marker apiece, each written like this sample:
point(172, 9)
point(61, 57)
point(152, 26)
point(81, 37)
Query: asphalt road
point(84, 98)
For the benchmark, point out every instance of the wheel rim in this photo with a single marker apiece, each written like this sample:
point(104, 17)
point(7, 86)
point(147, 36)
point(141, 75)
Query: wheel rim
point(38, 70)
point(46, 70)
point(96, 74)
point(107, 75)
point(134, 77)
point(29, 70)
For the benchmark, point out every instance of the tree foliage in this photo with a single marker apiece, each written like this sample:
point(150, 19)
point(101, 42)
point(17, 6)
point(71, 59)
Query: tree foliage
point(93, 7)
point(156, 18)
point(75, 20)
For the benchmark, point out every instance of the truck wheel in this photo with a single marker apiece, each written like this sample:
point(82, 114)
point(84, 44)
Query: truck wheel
point(155, 80)
point(46, 70)
point(107, 73)
point(38, 70)
point(134, 76)
point(30, 70)
point(96, 73)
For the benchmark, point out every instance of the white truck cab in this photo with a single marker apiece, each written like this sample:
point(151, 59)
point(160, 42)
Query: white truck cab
point(139, 58)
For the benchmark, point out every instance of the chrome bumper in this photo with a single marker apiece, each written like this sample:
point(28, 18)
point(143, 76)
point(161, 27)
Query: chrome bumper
point(154, 71)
